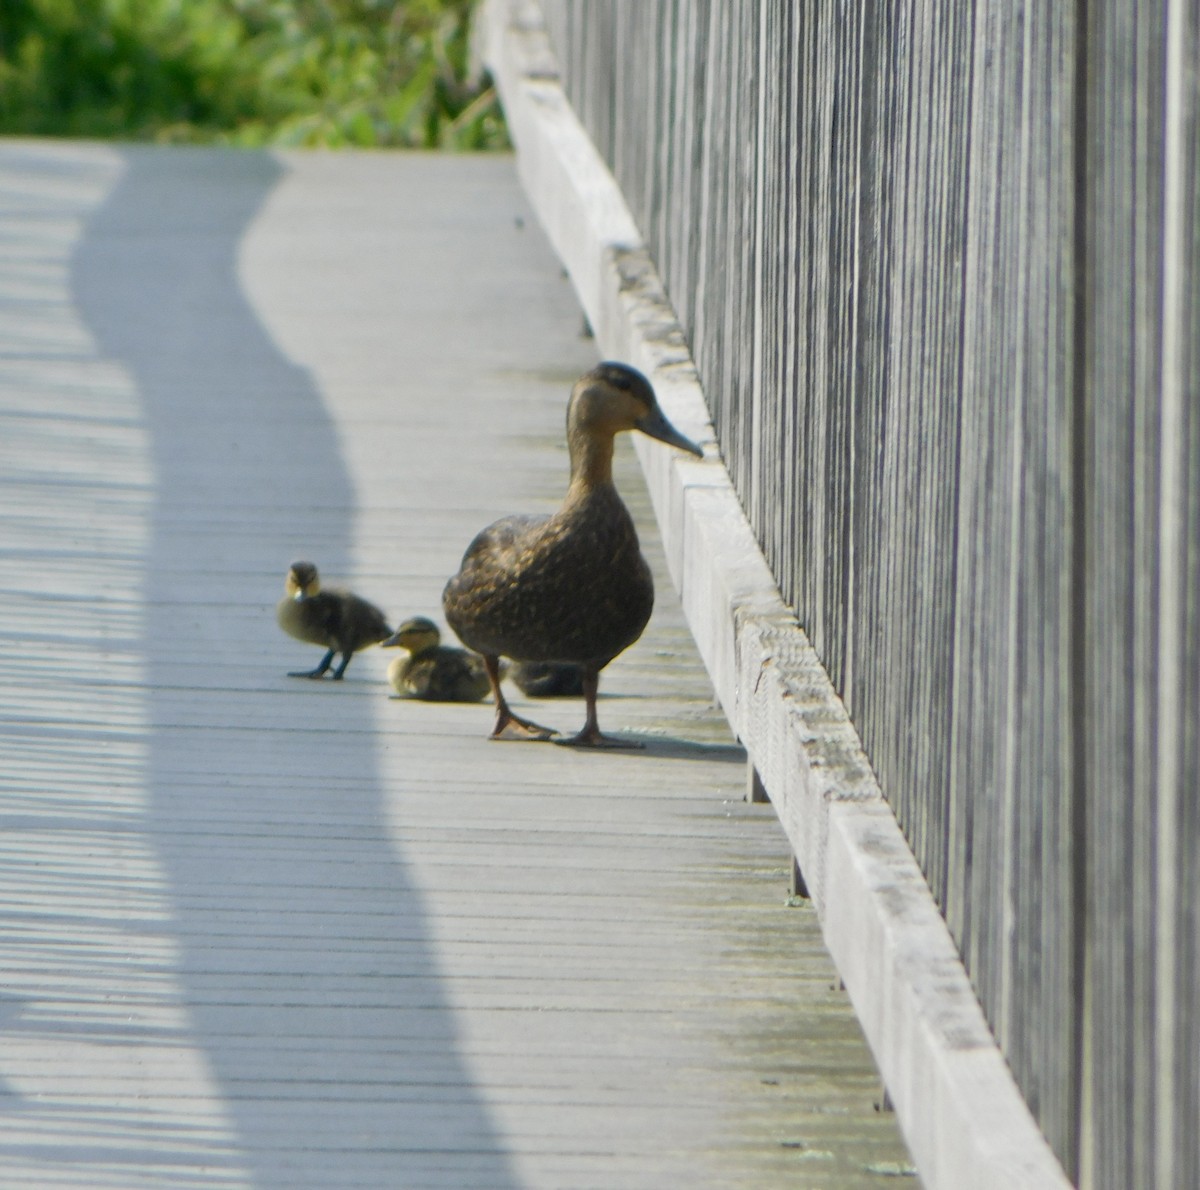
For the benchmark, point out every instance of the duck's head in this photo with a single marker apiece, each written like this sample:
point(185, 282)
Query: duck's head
point(302, 580)
point(415, 635)
point(614, 397)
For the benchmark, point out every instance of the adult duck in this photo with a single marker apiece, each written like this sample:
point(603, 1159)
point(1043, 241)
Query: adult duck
point(338, 621)
point(573, 586)
point(430, 670)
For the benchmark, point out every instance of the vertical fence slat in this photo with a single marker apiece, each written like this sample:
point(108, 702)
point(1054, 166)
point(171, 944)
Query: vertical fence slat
point(1178, 969)
point(918, 251)
point(1123, 316)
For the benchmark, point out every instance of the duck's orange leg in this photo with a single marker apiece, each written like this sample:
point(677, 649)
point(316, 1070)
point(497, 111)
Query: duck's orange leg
point(509, 726)
point(591, 736)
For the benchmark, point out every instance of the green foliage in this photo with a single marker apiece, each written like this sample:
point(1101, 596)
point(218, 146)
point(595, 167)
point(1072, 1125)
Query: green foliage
point(247, 72)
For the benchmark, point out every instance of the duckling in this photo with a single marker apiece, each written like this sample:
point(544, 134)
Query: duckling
point(432, 671)
point(548, 679)
point(338, 620)
point(573, 586)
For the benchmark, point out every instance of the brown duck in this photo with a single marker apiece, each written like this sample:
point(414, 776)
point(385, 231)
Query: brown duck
point(573, 586)
point(338, 621)
point(432, 671)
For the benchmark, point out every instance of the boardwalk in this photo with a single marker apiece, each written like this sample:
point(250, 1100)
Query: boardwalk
point(266, 933)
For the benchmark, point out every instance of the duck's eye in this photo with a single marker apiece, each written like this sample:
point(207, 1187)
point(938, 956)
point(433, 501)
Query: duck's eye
point(622, 382)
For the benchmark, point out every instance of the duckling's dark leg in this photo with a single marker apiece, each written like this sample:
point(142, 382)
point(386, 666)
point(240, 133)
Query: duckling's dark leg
point(326, 661)
point(341, 669)
point(591, 736)
point(509, 726)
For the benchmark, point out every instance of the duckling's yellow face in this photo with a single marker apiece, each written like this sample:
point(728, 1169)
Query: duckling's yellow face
point(415, 635)
point(302, 580)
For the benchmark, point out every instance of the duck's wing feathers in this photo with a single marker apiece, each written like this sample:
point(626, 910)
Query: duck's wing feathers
point(324, 612)
point(502, 545)
point(459, 676)
point(490, 568)
point(354, 621)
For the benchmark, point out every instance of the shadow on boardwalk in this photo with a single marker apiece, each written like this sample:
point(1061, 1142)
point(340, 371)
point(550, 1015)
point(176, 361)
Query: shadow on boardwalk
point(304, 960)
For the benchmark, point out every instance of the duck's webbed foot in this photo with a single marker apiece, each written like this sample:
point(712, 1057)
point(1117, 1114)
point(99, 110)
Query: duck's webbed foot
point(512, 727)
point(319, 672)
point(593, 737)
point(509, 726)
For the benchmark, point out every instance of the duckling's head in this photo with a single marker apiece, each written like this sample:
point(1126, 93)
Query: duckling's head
point(416, 635)
point(302, 580)
point(613, 397)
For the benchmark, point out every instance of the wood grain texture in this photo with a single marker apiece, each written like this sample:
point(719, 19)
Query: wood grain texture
point(936, 268)
point(263, 932)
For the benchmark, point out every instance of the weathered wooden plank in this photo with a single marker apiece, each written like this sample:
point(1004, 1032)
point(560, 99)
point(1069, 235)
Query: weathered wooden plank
point(263, 932)
point(937, 271)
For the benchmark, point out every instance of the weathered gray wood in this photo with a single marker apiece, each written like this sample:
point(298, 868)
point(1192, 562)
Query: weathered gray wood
point(936, 266)
point(1177, 1090)
point(273, 933)
point(955, 1096)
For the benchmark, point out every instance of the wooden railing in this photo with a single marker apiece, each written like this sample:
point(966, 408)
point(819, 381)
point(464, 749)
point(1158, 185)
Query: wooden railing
point(940, 271)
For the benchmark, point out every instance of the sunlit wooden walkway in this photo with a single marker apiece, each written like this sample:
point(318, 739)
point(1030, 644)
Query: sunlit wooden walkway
point(265, 933)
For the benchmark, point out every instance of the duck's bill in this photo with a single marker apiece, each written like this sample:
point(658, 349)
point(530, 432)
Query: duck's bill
point(657, 426)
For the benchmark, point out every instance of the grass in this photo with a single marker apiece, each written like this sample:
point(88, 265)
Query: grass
point(246, 72)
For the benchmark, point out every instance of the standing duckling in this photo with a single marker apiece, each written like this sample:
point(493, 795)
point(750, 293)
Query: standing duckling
point(337, 620)
point(432, 671)
point(571, 587)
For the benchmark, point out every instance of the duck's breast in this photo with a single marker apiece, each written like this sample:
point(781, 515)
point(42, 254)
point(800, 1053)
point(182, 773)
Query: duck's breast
point(313, 620)
point(572, 587)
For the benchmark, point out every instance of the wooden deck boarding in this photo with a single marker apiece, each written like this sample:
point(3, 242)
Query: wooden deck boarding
point(260, 932)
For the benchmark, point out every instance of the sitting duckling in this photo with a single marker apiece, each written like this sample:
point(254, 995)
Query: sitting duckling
point(432, 671)
point(573, 586)
point(337, 620)
point(548, 679)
